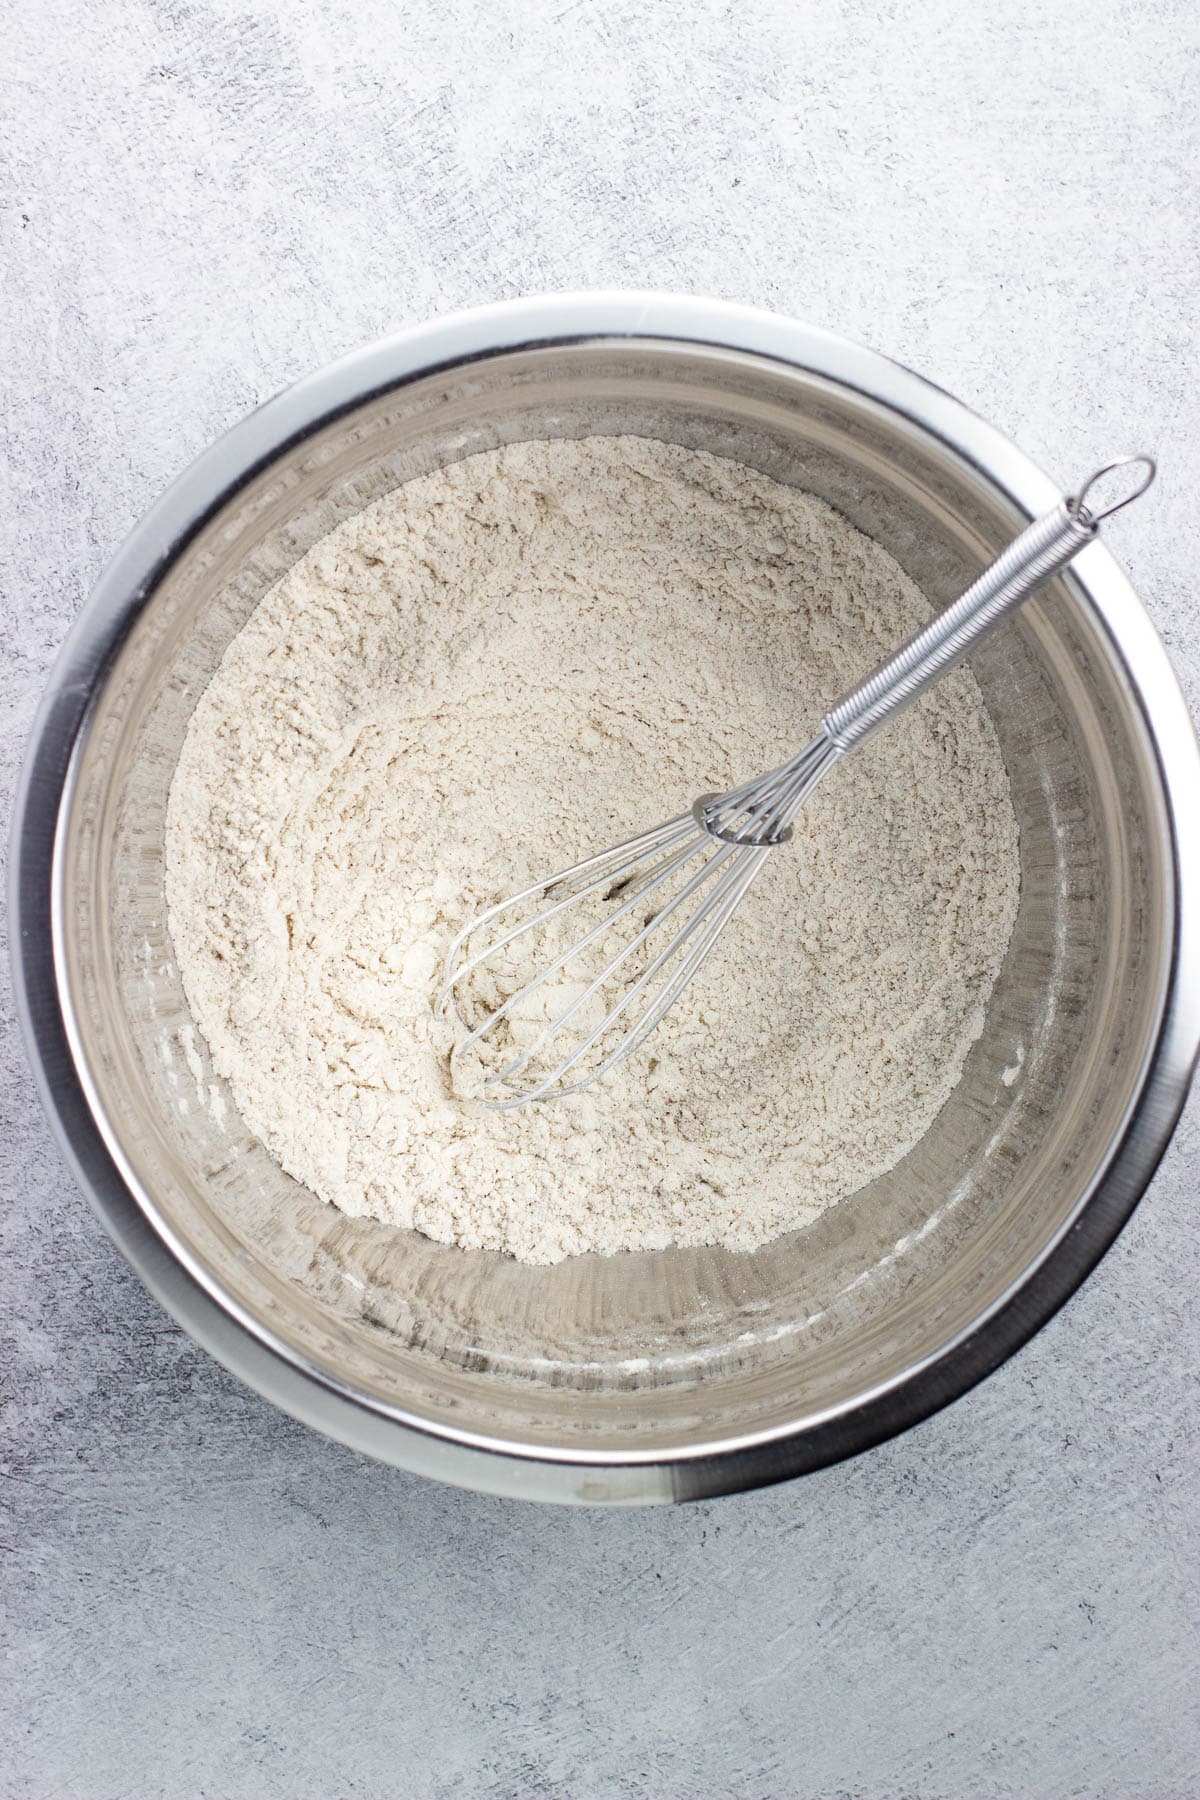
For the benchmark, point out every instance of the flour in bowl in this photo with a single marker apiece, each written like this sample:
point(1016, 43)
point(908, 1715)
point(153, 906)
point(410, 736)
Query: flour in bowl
point(483, 677)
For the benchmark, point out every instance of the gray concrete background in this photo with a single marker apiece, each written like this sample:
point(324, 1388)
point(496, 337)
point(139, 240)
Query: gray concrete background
point(203, 199)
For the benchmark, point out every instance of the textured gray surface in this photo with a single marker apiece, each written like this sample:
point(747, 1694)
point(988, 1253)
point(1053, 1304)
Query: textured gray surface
point(202, 201)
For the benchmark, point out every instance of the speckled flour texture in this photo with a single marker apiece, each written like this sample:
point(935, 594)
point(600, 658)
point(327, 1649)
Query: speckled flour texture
point(487, 674)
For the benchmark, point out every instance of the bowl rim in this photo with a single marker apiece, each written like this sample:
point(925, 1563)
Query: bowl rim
point(193, 1296)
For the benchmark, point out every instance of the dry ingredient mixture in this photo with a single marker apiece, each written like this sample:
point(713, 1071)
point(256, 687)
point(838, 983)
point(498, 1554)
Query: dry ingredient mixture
point(485, 675)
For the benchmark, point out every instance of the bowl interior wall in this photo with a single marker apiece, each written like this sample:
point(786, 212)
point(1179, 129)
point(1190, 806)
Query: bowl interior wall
point(656, 1350)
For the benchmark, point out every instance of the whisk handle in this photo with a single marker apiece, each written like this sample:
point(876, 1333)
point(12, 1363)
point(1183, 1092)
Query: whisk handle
point(1032, 558)
point(1040, 551)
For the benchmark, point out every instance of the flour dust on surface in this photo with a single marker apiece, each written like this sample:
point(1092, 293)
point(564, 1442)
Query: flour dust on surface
point(483, 677)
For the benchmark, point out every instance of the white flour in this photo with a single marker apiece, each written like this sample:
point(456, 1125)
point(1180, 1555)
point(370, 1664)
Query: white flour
point(477, 680)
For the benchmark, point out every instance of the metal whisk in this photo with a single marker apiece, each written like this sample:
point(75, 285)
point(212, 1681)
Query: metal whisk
point(563, 1027)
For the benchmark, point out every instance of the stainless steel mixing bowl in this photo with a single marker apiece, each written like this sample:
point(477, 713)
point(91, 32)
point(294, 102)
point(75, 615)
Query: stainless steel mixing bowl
point(677, 1374)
